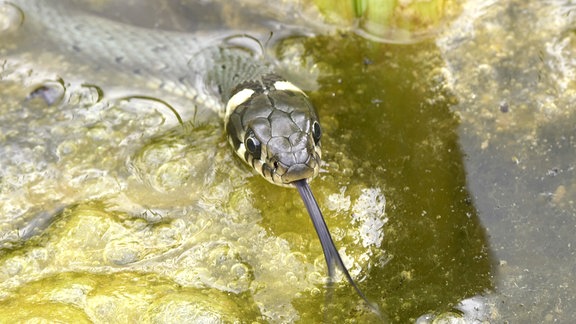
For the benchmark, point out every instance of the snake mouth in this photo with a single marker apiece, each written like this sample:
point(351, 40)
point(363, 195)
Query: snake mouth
point(286, 175)
point(289, 168)
point(297, 172)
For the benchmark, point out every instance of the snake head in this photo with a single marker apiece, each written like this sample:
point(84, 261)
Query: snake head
point(273, 127)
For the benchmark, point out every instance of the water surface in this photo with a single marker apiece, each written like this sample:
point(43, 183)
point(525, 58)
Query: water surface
point(447, 185)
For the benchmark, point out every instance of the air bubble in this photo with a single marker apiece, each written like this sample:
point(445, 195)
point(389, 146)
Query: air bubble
point(11, 17)
point(51, 92)
point(121, 253)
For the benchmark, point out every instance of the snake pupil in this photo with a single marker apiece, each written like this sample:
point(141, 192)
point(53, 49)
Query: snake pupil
point(253, 146)
point(316, 132)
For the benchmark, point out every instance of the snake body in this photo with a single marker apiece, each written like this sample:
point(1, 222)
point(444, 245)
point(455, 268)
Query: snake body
point(279, 137)
point(270, 123)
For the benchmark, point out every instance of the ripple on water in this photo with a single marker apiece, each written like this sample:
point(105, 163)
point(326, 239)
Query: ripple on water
point(169, 163)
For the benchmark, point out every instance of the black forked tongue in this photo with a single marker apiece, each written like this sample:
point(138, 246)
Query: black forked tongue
point(331, 254)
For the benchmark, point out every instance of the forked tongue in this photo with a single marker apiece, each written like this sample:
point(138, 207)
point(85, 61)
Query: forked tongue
point(331, 254)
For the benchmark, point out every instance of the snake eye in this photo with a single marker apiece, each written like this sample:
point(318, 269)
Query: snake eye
point(316, 132)
point(253, 145)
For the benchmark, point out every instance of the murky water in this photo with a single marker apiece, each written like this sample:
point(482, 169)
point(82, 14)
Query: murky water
point(511, 65)
point(448, 184)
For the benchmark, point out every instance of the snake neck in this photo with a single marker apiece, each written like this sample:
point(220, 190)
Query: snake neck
point(234, 69)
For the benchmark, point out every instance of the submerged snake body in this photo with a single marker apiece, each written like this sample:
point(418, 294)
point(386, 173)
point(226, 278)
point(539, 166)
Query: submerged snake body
point(270, 122)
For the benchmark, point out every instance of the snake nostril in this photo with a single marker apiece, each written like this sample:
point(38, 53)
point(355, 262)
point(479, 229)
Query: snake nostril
point(276, 165)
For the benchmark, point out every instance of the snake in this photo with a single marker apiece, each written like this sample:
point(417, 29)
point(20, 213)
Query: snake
point(271, 124)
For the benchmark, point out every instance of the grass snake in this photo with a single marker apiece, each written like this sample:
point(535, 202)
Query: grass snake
point(270, 123)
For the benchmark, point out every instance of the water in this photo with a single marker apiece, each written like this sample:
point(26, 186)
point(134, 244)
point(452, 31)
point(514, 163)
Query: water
point(448, 184)
point(511, 69)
